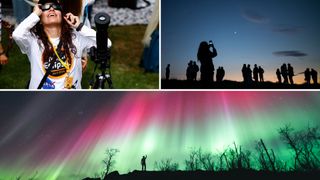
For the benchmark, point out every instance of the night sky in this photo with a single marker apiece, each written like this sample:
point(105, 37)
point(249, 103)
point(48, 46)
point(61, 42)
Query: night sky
point(63, 135)
point(263, 32)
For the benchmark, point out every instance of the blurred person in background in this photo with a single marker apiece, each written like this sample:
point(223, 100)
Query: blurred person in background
point(150, 57)
point(3, 57)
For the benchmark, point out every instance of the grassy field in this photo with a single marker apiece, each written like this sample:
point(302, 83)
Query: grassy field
point(125, 59)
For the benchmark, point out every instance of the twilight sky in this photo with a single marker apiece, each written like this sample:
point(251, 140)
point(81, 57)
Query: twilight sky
point(61, 135)
point(264, 32)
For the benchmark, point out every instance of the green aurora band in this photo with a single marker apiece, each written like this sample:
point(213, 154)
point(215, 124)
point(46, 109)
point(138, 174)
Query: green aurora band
point(159, 124)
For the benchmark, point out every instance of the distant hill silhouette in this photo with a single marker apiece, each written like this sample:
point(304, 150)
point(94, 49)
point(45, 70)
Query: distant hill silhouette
point(210, 175)
point(228, 84)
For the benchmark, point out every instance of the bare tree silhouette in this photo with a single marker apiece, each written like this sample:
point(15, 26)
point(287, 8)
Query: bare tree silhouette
point(206, 160)
point(166, 165)
point(193, 163)
point(199, 160)
point(109, 161)
point(266, 158)
point(223, 158)
point(304, 144)
point(235, 158)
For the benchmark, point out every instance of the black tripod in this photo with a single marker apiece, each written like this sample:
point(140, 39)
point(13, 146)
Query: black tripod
point(105, 74)
point(101, 79)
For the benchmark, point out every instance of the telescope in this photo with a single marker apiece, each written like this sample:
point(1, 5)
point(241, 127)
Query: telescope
point(101, 54)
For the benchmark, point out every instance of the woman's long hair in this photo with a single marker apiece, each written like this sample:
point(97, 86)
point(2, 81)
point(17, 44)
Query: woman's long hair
point(65, 38)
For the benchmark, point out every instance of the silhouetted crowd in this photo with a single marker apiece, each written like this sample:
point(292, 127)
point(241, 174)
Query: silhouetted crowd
point(207, 52)
point(220, 74)
point(311, 74)
point(286, 73)
point(192, 71)
point(247, 73)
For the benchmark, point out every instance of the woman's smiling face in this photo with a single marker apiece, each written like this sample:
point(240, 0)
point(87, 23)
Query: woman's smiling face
point(52, 15)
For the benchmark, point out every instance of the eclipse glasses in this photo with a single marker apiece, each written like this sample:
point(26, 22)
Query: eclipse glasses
point(47, 6)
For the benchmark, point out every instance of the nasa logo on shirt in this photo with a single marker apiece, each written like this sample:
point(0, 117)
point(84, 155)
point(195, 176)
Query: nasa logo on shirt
point(48, 84)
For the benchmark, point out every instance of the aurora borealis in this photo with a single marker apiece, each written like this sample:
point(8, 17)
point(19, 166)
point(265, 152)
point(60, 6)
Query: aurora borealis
point(63, 135)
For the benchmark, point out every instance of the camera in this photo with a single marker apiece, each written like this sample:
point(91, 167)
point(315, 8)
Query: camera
point(210, 43)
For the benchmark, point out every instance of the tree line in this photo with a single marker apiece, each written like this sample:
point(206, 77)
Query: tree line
point(304, 145)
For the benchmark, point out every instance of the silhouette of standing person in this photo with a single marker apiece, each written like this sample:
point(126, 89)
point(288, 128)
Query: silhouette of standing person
point(189, 71)
point(290, 73)
point(195, 69)
point(222, 72)
point(249, 74)
point(314, 75)
point(284, 73)
point(279, 75)
point(244, 73)
point(307, 75)
point(255, 73)
point(261, 71)
point(205, 56)
point(168, 72)
point(213, 72)
point(143, 163)
point(218, 74)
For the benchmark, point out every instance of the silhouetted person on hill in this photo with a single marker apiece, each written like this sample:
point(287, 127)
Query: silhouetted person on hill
point(314, 75)
point(261, 71)
point(168, 72)
point(244, 73)
point(205, 54)
point(255, 73)
point(307, 76)
point(284, 73)
point(249, 74)
point(290, 73)
point(279, 75)
point(213, 72)
point(189, 71)
point(220, 74)
point(195, 71)
point(143, 163)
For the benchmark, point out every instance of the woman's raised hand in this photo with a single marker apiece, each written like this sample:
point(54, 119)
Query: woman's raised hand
point(72, 20)
point(37, 9)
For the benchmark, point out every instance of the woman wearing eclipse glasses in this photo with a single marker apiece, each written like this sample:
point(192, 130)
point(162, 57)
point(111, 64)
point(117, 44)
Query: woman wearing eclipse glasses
point(54, 42)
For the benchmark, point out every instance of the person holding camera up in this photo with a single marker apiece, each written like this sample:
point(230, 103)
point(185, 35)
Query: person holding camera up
point(205, 55)
point(54, 41)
